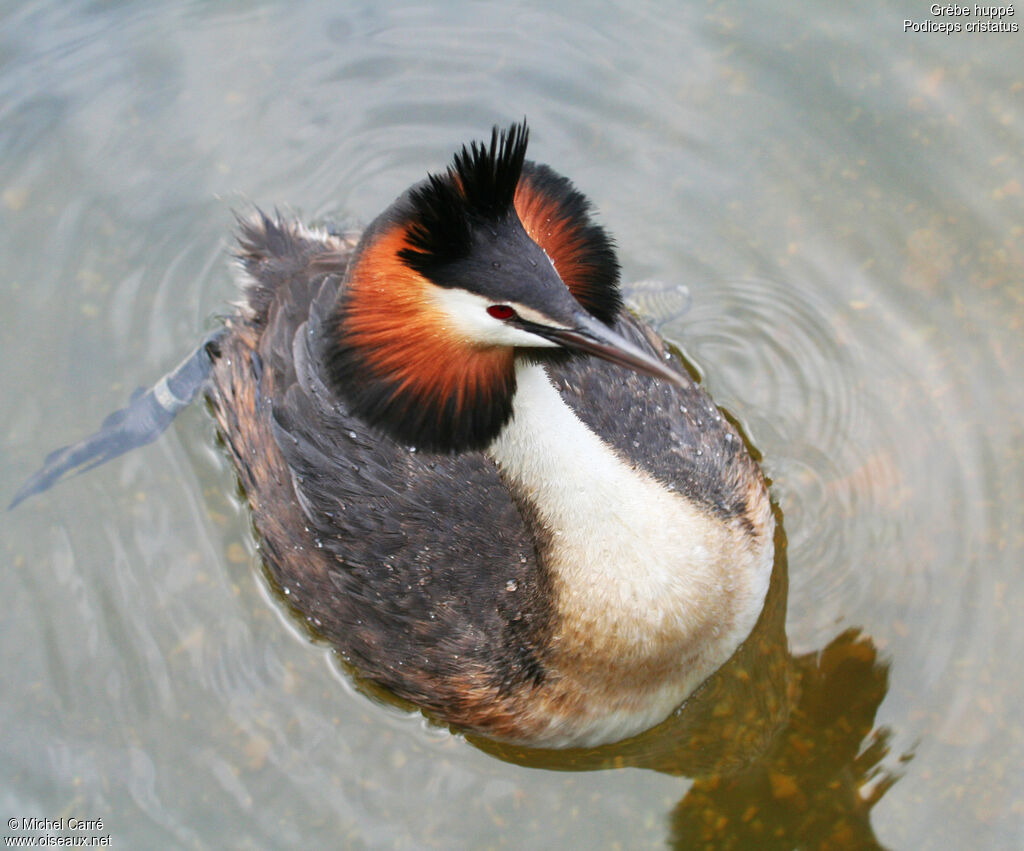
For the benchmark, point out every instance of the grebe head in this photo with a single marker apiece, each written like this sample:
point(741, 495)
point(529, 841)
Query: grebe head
point(493, 259)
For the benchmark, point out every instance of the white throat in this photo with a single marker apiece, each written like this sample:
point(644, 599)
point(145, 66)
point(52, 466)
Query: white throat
point(645, 579)
point(620, 524)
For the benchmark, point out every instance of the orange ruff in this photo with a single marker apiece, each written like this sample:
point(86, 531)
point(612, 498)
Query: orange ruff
point(408, 340)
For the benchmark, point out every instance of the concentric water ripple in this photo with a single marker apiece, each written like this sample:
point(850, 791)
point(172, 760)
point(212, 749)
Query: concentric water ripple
point(841, 411)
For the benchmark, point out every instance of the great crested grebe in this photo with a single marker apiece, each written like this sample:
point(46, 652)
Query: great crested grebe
point(541, 548)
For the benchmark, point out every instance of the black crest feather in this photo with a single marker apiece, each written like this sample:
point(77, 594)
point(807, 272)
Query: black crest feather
point(478, 188)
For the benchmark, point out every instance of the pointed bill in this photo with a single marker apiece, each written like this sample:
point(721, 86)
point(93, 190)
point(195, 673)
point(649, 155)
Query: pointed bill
point(586, 334)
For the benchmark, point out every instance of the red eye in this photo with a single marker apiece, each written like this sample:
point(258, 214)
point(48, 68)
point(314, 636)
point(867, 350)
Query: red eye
point(501, 311)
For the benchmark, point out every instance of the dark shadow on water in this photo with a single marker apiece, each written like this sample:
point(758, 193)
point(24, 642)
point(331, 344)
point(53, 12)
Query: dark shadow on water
point(783, 749)
point(814, 787)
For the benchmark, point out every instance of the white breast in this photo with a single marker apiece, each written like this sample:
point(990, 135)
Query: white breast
point(653, 592)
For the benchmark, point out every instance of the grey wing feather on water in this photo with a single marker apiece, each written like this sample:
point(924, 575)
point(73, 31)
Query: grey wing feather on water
point(144, 419)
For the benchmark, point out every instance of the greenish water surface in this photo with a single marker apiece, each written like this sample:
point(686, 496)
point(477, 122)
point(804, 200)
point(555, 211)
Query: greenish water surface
point(822, 210)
